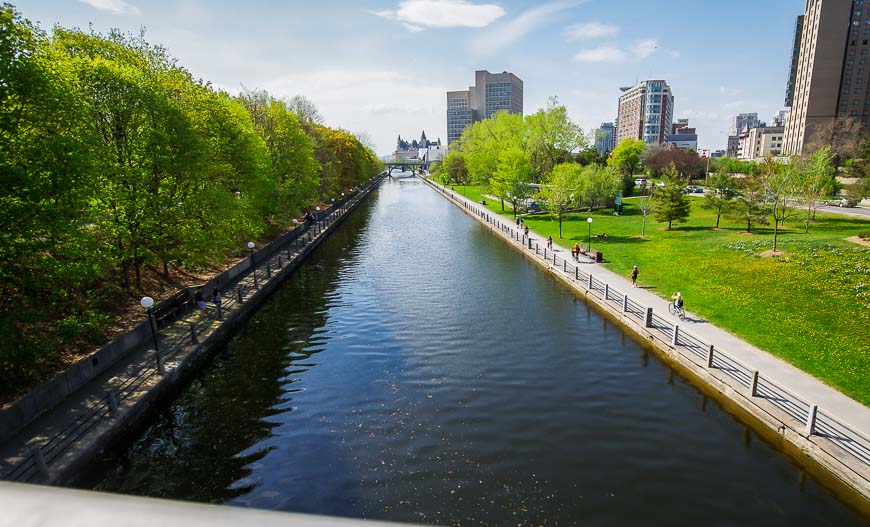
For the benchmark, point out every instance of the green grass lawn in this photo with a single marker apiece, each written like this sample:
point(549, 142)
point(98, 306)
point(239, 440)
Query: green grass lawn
point(810, 306)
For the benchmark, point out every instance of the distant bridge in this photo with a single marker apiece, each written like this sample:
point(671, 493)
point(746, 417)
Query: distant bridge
point(413, 166)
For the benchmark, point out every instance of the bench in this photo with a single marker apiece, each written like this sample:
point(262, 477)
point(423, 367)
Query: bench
point(170, 309)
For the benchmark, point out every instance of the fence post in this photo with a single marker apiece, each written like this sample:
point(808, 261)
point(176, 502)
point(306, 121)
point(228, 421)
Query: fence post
point(220, 311)
point(268, 271)
point(239, 296)
point(194, 338)
point(577, 274)
point(545, 253)
point(811, 420)
point(530, 243)
point(256, 282)
point(647, 321)
point(606, 291)
point(113, 403)
point(564, 266)
point(39, 461)
point(161, 369)
point(753, 384)
point(710, 356)
point(280, 262)
point(625, 303)
point(590, 282)
point(554, 259)
point(676, 335)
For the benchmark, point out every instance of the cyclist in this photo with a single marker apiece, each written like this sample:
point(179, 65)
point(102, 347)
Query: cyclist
point(678, 304)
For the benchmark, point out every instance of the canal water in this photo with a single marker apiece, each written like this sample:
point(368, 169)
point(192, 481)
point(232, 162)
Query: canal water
point(418, 369)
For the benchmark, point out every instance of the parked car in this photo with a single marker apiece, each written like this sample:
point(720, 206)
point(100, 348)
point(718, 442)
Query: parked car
point(843, 202)
point(534, 206)
point(693, 189)
point(641, 182)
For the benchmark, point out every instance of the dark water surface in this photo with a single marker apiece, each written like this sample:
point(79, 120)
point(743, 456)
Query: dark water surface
point(418, 369)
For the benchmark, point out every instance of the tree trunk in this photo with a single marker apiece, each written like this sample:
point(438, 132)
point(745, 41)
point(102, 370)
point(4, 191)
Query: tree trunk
point(560, 224)
point(643, 227)
point(807, 226)
point(775, 232)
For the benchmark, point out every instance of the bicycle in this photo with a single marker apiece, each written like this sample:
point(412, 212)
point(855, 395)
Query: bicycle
point(674, 309)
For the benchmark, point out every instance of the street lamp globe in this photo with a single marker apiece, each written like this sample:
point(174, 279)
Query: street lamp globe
point(295, 221)
point(589, 220)
point(317, 209)
point(251, 245)
point(146, 302)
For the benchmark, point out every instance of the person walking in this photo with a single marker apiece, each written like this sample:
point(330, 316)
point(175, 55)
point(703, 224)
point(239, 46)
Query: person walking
point(199, 301)
point(216, 296)
point(526, 231)
point(549, 242)
point(575, 251)
point(634, 276)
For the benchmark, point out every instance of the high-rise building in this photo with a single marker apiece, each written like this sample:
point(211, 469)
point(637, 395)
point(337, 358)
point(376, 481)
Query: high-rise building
point(740, 123)
point(491, 93)
point(604, 139)
point(757, 143)
point(646, 112)
point(779, 118)
point(682, 136)
point(829, 92)
point(793, 67)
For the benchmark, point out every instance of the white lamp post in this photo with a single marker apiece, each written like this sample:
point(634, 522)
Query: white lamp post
point(589, 245)
point(147, 302)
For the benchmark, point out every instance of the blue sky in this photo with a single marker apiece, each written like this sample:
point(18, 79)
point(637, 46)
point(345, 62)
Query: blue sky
point(383, 66)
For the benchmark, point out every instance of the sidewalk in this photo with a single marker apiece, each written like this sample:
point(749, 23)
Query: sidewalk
point(839, 437)
point(52, 445)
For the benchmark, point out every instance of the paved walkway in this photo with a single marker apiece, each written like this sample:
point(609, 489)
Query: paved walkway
point(811, 390)
point(63, 432)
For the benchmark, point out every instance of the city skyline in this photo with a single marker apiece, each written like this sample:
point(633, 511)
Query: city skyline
point(382, 67)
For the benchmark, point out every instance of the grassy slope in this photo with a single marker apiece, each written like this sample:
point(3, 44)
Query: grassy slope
point(812, 308)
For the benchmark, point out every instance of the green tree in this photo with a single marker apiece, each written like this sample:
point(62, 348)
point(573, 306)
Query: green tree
point(599, 186)
point(817, 179)
point(551, 137)
point(626, 157)
point(720, 194)
point(454, 166)
point(672, 205)
point(483, 143)
point(780, 182)
point(512, 178)
point(749, 205)
point(560, 189)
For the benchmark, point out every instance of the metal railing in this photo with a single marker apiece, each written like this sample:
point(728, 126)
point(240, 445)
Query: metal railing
point(799, 415)
point(172, 339)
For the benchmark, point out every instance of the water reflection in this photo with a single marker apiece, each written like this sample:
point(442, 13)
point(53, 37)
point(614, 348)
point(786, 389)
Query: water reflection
point(416, 369)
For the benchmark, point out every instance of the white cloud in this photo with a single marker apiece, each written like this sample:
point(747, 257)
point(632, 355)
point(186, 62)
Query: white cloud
point(611, 53)
point(382, 102)
point(601, 54)
point(512, 31)
point(118, 7)
point(675, 54)
point(589, 31)
point(418, 14)
point(699, 114)
point(725, 90)
point(644, 48)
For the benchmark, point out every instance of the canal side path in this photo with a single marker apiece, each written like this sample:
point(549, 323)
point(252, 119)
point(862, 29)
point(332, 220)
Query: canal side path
point(786, 397)
point(58, 444)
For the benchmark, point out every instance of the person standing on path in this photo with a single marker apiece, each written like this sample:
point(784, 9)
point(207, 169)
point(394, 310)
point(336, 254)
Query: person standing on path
point(549, 242)
point(200, 301)
point(575, 251)
point(634, 276)
point(216, 296)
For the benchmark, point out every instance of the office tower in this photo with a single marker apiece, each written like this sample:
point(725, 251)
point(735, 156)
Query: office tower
point(741, 123)
point(646, 112)
point(492, 93)
point(829, 93)
point(604, 139)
